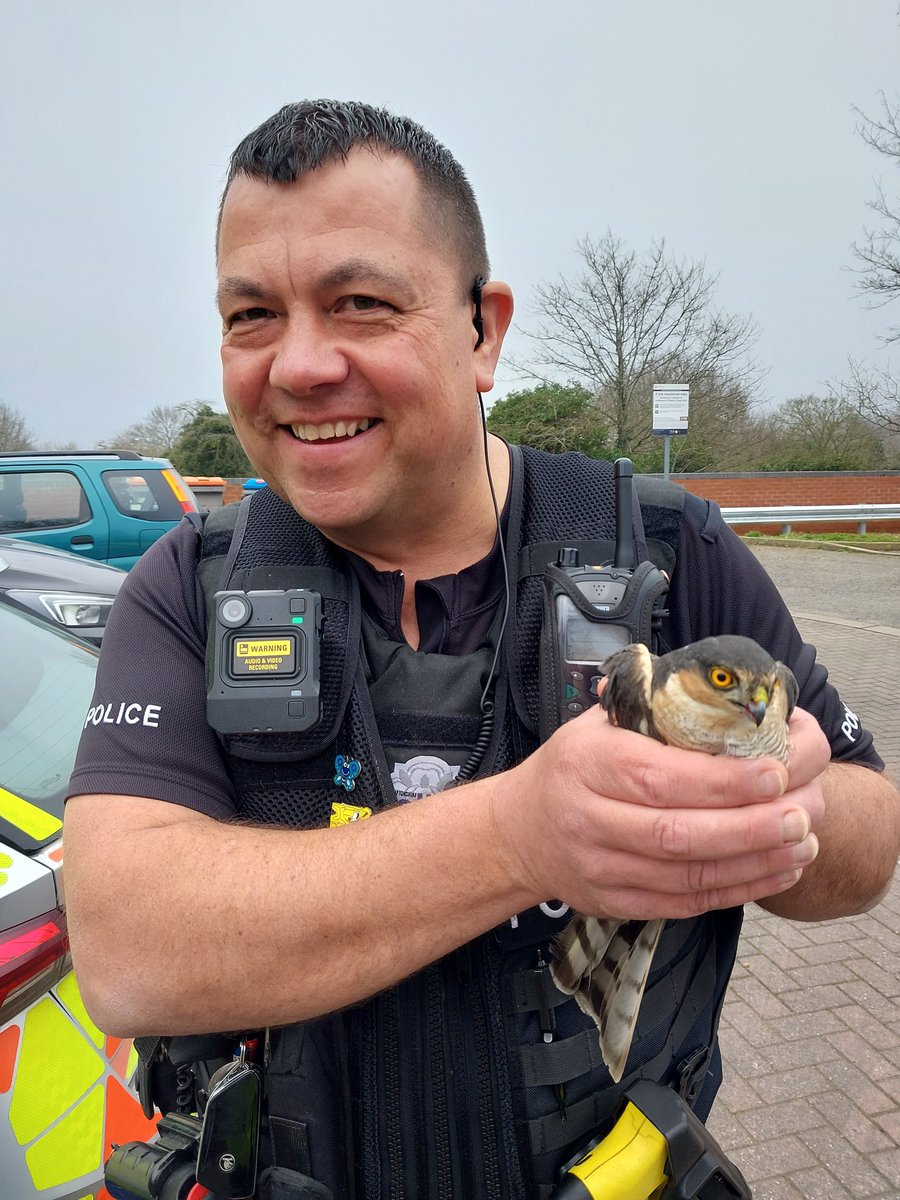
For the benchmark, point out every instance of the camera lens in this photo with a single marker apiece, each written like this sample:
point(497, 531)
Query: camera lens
point(234, 611)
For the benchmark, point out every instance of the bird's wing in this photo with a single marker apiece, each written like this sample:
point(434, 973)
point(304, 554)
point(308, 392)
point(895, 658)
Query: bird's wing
point(627, 695)
point(790, 690)
point(604, 964)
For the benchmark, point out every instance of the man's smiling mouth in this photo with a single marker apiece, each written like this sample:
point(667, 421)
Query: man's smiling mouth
point(330, 431)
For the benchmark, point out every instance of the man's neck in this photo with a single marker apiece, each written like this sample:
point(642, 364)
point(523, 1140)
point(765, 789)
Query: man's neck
point(444, 545)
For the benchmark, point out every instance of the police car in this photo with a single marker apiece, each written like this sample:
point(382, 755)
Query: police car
point(58, 586)
point(65, 1087)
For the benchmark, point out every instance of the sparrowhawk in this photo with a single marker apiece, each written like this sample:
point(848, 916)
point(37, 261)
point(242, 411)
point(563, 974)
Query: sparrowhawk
point(722, 695)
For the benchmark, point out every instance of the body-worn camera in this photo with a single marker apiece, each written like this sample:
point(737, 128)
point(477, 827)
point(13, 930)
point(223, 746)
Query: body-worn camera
point(594, 610)
point(263, 667)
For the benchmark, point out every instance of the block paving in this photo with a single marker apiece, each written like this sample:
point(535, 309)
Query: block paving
point(810, 1032)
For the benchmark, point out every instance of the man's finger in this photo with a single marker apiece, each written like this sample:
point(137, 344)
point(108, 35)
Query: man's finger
point(707, 835)
point(638, 770)
point(623, 870)
point(635, 904)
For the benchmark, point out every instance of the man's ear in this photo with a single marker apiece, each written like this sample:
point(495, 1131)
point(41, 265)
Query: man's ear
point(496, 314)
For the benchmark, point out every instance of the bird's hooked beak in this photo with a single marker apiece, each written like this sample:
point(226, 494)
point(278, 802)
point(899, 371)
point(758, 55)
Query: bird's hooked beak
point(758, 703)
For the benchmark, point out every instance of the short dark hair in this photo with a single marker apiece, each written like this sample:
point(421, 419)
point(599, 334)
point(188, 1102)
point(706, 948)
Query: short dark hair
point(304, 136)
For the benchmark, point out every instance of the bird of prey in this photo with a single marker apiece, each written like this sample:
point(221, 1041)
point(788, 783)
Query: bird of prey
point(721, 695)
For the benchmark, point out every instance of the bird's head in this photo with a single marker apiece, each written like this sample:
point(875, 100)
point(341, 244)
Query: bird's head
point(732, 677)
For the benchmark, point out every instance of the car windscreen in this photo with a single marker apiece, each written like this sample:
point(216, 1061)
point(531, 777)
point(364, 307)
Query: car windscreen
point(145, 494)
point(45, 692)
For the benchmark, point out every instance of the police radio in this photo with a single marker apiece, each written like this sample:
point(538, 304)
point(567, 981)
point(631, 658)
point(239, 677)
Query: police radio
point(263, 671)
point(590, 612)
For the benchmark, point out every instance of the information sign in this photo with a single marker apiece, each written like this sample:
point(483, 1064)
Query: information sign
point(670, 407)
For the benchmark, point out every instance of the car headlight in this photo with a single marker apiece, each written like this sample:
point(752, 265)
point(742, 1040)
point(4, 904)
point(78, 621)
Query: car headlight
point(72, 609)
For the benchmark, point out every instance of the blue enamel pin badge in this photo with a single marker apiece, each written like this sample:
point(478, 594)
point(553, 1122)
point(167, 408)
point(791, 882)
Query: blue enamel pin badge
point(346, 771)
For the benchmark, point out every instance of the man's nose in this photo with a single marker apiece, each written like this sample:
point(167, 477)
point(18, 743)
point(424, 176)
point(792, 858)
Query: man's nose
point(307, 357)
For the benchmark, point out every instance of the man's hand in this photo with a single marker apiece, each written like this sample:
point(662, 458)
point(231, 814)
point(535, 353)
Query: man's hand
point(617, 824)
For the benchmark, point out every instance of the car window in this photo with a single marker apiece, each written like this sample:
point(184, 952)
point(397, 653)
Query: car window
point(47, 684)
point(41, 500)
point(147, 495)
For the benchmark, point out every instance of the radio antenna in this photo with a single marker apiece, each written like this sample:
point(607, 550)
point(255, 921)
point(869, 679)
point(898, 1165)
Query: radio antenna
point(625, 553)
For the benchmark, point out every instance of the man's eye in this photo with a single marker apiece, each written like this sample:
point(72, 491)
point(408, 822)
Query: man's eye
point(247, 315)
point(363, 303)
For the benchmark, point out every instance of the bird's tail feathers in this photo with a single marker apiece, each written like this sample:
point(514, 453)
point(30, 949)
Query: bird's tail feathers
point(579, 950)
point(604, 964)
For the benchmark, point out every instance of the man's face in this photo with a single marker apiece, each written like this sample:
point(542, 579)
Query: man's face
point(348, 348)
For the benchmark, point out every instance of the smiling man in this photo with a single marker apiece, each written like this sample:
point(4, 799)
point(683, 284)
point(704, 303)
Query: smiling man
point(383, 934)
point(346, 307)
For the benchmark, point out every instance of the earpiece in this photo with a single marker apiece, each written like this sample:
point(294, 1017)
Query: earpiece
point(476, 300)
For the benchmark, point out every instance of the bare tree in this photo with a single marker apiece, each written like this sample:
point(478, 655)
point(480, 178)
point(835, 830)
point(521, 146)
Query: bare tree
point(723, 436)
point(14, 433)
point(626, 323)
point(157, 433)
point(879, 251)
point(874, 392)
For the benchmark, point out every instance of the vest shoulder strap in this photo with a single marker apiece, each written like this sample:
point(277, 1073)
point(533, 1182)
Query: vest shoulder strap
point(664, 506)
point(662, 510)
point(217, 530)
point(282, 551)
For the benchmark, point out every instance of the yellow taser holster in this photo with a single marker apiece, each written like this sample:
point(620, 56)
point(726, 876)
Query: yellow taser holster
point(657, 1150)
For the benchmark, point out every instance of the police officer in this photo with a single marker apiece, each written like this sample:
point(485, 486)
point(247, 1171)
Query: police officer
point(398, 959)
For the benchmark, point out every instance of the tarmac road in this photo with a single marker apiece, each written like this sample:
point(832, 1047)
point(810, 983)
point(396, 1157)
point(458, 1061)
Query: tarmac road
point(847, 604)
point(855, 584)
point(810, 1032)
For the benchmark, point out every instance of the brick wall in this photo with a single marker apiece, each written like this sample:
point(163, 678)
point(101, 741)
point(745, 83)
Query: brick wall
point(769, 488)
point(756, 489)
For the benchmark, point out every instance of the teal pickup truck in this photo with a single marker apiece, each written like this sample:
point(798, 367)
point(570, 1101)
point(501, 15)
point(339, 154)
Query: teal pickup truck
point(105, 504)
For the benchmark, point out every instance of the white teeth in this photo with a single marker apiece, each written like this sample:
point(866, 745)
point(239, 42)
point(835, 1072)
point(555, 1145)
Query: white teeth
point(314, 433)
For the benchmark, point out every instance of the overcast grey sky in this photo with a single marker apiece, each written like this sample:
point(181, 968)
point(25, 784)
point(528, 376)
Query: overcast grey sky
point(725, 127)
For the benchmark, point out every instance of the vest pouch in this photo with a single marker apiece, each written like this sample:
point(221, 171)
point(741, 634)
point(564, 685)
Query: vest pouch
point(564, 678)
point(307, 1122)
point(589, 614)
point(279, 1183)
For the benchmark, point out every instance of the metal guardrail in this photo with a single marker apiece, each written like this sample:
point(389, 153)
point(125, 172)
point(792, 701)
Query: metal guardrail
point(788, 515)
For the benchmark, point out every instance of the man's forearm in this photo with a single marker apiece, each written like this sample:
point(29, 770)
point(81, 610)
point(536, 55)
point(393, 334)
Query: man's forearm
point(859, 839)
point(315, 920)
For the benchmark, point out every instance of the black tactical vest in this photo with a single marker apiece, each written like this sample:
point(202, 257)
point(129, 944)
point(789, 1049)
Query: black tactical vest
point(476, 1077)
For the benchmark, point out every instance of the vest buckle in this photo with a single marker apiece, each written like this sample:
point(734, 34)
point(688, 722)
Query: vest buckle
point(692, 1072)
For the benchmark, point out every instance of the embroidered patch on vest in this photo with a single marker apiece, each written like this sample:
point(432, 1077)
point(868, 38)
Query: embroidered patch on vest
point(423, 775)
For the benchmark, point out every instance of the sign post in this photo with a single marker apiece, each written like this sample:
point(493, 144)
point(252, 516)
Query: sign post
point(670, 414)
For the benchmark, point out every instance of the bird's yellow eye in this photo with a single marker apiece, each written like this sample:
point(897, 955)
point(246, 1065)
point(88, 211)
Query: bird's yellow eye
point(721, 678)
